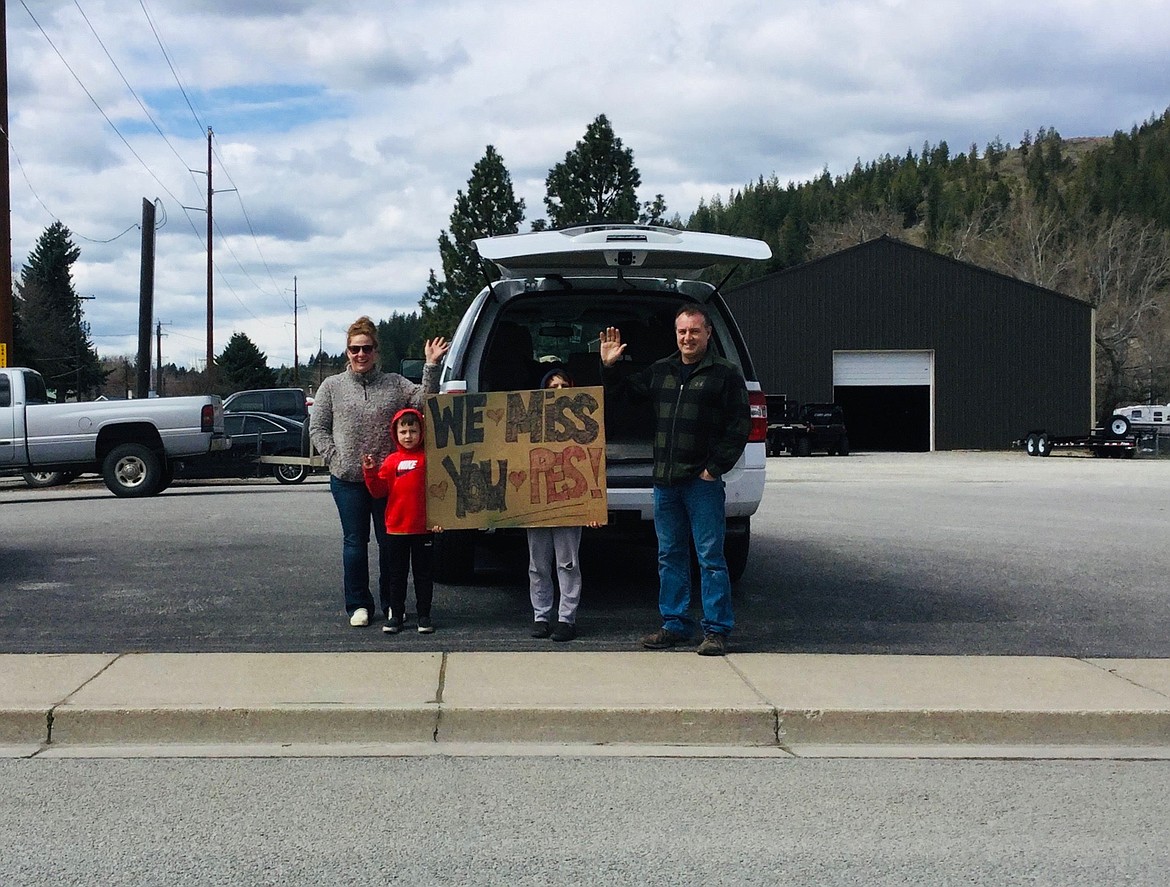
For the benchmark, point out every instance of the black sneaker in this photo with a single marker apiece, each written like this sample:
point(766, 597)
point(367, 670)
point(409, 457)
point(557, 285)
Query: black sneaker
point(664, 639)
point(565, 631)
point(713, 645)
point(393, 625)
point(541, 629)
point(425, 626)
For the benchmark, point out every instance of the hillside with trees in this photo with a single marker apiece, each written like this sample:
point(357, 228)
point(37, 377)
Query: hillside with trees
point(1087, 217)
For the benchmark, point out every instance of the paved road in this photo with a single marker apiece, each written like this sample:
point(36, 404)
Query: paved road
point(572, 821)
point(945, 553)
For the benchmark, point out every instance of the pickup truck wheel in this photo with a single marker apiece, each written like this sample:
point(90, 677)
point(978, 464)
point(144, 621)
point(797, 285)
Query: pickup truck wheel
point(803, 447)
point(132, 471)
point(290, 474)
point(843, 445)
point(47, 478)
point(454, 557)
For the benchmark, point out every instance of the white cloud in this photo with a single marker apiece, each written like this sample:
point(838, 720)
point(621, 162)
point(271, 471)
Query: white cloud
point(347, 127)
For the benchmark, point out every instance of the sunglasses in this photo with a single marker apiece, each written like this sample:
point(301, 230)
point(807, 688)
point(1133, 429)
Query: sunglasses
point(360, 349)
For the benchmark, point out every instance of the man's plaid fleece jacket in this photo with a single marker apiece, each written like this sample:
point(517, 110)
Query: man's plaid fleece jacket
point(703, 423)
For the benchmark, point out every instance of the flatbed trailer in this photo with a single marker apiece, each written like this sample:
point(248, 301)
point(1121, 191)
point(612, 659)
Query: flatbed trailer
point(1116, 440)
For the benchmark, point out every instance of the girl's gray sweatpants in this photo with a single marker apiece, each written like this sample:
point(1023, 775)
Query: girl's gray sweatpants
point(549, 546)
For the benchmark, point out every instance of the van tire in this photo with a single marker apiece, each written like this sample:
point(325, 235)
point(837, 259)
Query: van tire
point(735, 550)
point(453, 552)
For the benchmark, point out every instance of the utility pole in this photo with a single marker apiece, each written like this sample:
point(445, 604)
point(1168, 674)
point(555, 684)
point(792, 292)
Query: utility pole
point(6, 337)
point(210, 368)
point(145, 300)
point(83, 337)
point(296, 352)
point(210, 334)
point(158, 373)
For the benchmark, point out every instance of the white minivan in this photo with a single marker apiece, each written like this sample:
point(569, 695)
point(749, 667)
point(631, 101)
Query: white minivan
point(557, 292)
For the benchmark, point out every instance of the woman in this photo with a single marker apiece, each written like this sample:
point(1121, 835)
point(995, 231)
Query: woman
point(352, 412)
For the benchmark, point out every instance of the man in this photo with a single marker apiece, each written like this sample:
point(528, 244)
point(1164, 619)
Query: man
point(701, 425)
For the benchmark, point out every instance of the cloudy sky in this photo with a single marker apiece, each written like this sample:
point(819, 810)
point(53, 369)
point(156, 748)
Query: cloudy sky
point(346, 126)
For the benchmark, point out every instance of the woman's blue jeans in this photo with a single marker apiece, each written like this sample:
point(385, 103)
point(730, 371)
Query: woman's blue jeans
point(693, 510)
point(357, 510)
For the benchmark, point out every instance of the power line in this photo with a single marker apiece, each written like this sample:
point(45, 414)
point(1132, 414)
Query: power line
point(96, 104)
point(101, 111)
point(186, 97)
point(170, 64)
point(130, 88)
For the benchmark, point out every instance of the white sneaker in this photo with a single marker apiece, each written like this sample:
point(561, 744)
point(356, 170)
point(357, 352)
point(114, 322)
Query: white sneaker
point(360, 617)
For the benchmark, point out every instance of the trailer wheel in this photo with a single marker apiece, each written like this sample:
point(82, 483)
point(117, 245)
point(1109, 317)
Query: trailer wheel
point(1030, 444)
point(132, 471)
point(1119, 426)
point(1043, 445)
point(290, 474)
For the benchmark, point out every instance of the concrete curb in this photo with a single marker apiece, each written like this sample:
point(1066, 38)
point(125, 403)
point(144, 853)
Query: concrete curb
point(799, 703)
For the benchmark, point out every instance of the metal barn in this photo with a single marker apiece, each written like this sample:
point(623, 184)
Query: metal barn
point(924, 352)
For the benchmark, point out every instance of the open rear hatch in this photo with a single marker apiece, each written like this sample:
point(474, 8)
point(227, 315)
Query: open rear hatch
point(612, 250)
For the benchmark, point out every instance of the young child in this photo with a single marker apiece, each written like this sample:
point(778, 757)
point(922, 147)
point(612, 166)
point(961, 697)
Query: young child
point(402, 481)
point(549, 546)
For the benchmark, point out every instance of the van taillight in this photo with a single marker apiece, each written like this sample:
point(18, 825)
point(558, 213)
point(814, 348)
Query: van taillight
point(207, 419)
point(758, 408)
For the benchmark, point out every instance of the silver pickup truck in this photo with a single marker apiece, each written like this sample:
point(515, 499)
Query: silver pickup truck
point(131, 443)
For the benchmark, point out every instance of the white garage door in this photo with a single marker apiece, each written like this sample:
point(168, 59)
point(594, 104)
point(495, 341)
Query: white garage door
point(882, 368)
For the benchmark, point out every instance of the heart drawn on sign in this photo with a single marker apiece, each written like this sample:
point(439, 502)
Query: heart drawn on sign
point(517, 478)
point(496, 416)
point(439, 490)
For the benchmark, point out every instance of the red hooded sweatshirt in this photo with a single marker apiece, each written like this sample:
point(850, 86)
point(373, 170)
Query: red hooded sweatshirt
point(402, 479)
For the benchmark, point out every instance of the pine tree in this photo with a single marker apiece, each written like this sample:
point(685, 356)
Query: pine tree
point(489, 208)
point(596, 182)
point(398, 338)
point(48, 330)
point(242, 366)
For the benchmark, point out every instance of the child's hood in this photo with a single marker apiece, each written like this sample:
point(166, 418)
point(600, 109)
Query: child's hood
point(422, 424)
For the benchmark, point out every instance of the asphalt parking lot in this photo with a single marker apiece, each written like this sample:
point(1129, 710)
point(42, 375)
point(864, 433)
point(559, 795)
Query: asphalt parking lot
point(943, 553)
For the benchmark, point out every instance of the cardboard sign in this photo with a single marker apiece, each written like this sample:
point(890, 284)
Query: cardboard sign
point(516, 459)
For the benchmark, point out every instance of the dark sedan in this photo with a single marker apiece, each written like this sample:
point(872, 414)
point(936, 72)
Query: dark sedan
point(253, 435)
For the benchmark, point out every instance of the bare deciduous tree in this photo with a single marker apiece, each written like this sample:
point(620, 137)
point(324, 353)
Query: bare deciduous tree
point(1123, 272)
point(862, 225)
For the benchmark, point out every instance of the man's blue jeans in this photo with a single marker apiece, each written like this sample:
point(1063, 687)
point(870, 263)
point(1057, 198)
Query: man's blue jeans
point(357, 510)
point(682, 512)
